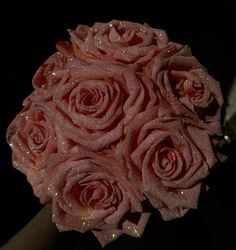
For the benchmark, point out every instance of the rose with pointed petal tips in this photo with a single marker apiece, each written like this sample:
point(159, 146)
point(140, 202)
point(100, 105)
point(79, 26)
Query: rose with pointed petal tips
point(52, 72)
point(185, 84)
point(119, 42)
point(170, 161)
point(32, 138)
point(93, 108)
point(91, 192)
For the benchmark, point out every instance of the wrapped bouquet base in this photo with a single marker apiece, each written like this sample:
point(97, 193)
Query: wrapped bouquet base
point(120, 116)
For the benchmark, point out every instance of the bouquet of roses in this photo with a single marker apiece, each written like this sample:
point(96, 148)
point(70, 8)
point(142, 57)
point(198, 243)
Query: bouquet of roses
point(119, 116)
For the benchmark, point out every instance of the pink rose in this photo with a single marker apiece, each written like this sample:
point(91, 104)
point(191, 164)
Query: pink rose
point(186, 86)
point(98, 100)
point(49, 73)
point(117, 41)
point(90, 191)
point(52, 72)
point(32, 138)
point(170, 159)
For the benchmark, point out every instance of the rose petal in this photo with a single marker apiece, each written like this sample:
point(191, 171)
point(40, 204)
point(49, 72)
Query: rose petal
point(107, 235)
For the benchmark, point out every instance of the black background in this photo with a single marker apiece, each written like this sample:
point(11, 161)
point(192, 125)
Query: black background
point(28, 36)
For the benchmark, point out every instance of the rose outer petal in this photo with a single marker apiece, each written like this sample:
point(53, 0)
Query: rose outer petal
point(107, 235)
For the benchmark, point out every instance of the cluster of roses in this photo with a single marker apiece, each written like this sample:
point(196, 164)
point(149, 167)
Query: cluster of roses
point(118, 116)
